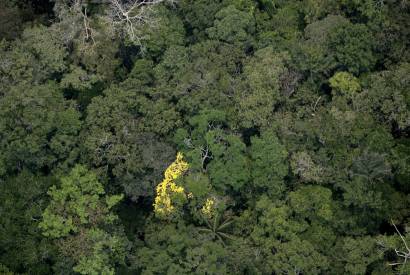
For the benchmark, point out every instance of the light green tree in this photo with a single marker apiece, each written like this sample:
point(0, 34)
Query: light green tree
point(345, 84)
point(79, 218)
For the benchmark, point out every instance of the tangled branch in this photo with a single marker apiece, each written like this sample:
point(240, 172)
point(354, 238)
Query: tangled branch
point(132, 15)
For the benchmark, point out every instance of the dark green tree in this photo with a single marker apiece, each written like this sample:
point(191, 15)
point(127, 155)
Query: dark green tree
point(269, 164)
point(39, 129)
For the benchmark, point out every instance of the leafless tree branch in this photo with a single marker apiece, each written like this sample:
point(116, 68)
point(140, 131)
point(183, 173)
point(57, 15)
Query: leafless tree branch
point(401, 254)
point(132, 15)
point(88, 32)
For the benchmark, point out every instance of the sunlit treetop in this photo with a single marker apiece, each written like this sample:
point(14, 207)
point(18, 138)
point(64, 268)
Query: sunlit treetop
point(167, 190)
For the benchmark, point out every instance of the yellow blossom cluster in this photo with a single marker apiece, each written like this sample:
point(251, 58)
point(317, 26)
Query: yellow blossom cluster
point(208, 208)
point(163, 204)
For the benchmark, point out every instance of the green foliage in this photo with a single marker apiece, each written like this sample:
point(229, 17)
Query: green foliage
point(396, 247)
point(401, 163)
point(345, 84)
point(269, 163)
point(178, 249)
point(226, 153)
point(4, 270)
point(360, 254)
point(316, 55)
point(286, 23)
point(259, 93)
point(292, 117)
point(386, 96)
point(198, 184)
point(335, 43)
point(229, 167)
point(116, 137)
point(277, 236)
point(200, 75)
point(199, 15)
point(217, 226)
point(47, 48)
point(77, 213)
point(298, 256)
point(99, 261)
point(38, 128)
point(274, 223)
point(312, 202)
point(353, 48)
point(78, 79)
point(10, 21)
point(37, 57)
point(232, 26)
point(78, 203)
point(317, 9)
point(366, 9)
point(23, 199)
point(168, 32)
point(100, 59)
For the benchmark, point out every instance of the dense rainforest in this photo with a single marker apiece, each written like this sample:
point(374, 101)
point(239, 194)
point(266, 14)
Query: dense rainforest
point(204, 137)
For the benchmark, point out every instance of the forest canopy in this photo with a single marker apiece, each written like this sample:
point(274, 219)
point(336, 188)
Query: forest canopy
point(205, 137)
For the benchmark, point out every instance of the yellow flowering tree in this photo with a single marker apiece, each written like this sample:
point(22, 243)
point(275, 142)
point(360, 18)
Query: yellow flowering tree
point(208, 208)
point(168, 189)
point(170, 195)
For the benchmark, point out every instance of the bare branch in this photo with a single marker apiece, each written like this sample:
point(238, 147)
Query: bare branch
point(204, 155)
point(402, 238)
point(133, 15)
point(88, 32)
point(401, 254)
point(314, 107)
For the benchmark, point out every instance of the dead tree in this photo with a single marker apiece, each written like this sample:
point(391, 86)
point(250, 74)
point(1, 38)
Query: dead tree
point(127, 17)
point(133, 15)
